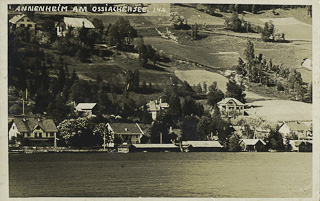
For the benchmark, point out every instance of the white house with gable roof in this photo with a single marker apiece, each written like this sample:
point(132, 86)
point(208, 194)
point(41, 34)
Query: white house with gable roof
point(72, 23)
point(86, 109)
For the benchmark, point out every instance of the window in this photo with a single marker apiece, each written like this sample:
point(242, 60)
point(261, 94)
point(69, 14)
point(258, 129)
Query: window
point(35, 134)
point(22, 25)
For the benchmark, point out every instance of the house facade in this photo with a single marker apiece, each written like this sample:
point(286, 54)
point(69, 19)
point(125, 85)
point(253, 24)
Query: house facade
point(230, 107)
point(70, 23)
point(35, 132)
point(86, 109)
point(155, 107)
point(128, 132)
point(22, 21)
point(252, 145)
point(296, 130)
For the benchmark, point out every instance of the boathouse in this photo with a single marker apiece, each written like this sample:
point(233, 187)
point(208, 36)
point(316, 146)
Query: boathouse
point(155, 148)
point(202, 146)
point(252, 145)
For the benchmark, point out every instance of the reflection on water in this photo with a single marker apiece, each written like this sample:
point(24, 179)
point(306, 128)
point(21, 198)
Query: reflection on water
point(161, 175)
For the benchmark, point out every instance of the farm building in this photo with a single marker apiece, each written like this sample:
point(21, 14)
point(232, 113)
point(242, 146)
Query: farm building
point(72, 23)
point(155, 107)
point(34, 132)
point(201, 146)
point(22, 21)
point(128, 132)
point(296, 129)
point(252, 145)
point(230, 106)
point(86, 109)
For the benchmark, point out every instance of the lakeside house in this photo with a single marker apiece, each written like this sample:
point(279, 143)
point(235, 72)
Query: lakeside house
point(296, 129)
point(231, 106)
point(155, 107)
point(70, 23)
point(34, 132)
point(201, 146)
point(86, 109)
point(22, 21)
point(130, 132)
point(252, 145)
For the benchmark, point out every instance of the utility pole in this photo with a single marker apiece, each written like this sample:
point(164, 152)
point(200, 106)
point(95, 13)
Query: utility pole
point(22, 106)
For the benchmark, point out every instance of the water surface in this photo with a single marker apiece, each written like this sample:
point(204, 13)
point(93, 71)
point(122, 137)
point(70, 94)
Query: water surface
point(161, 175)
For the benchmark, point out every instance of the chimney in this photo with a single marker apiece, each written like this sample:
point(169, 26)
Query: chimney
point(38, 119)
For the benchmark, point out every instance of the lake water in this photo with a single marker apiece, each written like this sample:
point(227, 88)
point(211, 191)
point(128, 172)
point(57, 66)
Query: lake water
point(210, 174)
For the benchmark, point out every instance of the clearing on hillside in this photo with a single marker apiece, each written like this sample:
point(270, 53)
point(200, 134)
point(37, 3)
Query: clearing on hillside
point(281, 110)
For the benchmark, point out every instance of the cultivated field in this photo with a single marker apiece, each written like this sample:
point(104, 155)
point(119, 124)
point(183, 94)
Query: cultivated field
point(281, 110)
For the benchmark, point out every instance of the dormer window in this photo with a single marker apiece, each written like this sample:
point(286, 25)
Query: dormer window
point(126, 129)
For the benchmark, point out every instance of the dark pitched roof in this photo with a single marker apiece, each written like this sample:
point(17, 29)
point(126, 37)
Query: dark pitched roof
point(28, 124)
point(226, 100)
point(126, 128)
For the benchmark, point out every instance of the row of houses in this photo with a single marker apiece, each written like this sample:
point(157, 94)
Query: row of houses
point(62, 27)
point(43, 132)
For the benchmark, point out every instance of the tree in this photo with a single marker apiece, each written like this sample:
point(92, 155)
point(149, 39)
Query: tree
point(136, 80)
point(198, 88)
point(146, 116)
point(233, 23)
point(235, 91)
point(204, 87)
point(204, 127)
point(175, 106)
point(99, 26)
point(100, 132)
point(267, 31)
point(189, 128)
point(159, 131)
point(254, 9)
point(176, 20)
point(215, 95)
point(81, 92)
point(234, 143)
point(249, 52)
point(190, 107)
point(308, 95)
point(275, 141)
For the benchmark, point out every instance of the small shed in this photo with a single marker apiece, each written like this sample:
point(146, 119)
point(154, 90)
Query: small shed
point(252, 145)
